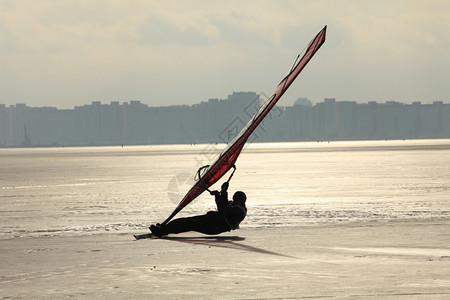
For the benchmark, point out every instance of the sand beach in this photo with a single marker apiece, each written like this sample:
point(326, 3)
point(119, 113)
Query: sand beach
point(376, 260)
point(350, 220)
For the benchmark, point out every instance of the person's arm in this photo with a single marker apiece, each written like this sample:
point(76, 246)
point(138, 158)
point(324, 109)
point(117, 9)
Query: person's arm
point(222, 198)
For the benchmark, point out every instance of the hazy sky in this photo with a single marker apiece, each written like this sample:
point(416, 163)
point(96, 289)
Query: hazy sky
point(70, 52)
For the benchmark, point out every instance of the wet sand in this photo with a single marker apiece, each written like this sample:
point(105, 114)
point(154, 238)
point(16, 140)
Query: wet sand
point(378, 260)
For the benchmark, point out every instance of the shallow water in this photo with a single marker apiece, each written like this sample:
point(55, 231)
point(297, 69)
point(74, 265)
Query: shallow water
point(67, 191)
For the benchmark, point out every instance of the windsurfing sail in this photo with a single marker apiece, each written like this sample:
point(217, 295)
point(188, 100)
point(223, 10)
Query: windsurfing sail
point(226, 160)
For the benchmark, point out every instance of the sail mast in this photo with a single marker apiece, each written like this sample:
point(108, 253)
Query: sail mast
point(230, 154)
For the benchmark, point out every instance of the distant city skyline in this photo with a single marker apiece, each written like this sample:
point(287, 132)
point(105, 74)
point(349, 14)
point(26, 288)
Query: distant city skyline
point(67, 53)
point(305, 101)
point(219, 121)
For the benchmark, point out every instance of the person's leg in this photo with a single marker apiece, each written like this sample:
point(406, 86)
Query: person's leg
point(183, 224)
point(206, 224)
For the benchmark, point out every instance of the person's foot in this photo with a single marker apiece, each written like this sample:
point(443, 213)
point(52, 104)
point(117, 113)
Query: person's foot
point(157, 230)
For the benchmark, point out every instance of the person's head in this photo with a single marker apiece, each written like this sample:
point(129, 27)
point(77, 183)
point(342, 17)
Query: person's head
point(239, 198)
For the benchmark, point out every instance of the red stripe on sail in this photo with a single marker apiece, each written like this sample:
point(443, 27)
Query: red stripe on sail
point(230, 154)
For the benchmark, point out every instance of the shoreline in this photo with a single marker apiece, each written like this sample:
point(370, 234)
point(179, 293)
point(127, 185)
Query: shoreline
point(305, 142)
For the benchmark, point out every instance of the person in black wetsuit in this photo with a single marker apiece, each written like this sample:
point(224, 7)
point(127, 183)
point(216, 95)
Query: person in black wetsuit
point(228, 216)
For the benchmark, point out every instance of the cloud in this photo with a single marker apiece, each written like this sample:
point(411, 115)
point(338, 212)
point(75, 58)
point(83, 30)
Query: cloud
point(83, 50)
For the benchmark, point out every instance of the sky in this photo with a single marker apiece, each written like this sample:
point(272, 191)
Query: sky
point(72, 52)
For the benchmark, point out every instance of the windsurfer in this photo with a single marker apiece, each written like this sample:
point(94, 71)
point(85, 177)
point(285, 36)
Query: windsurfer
point(228, 216)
